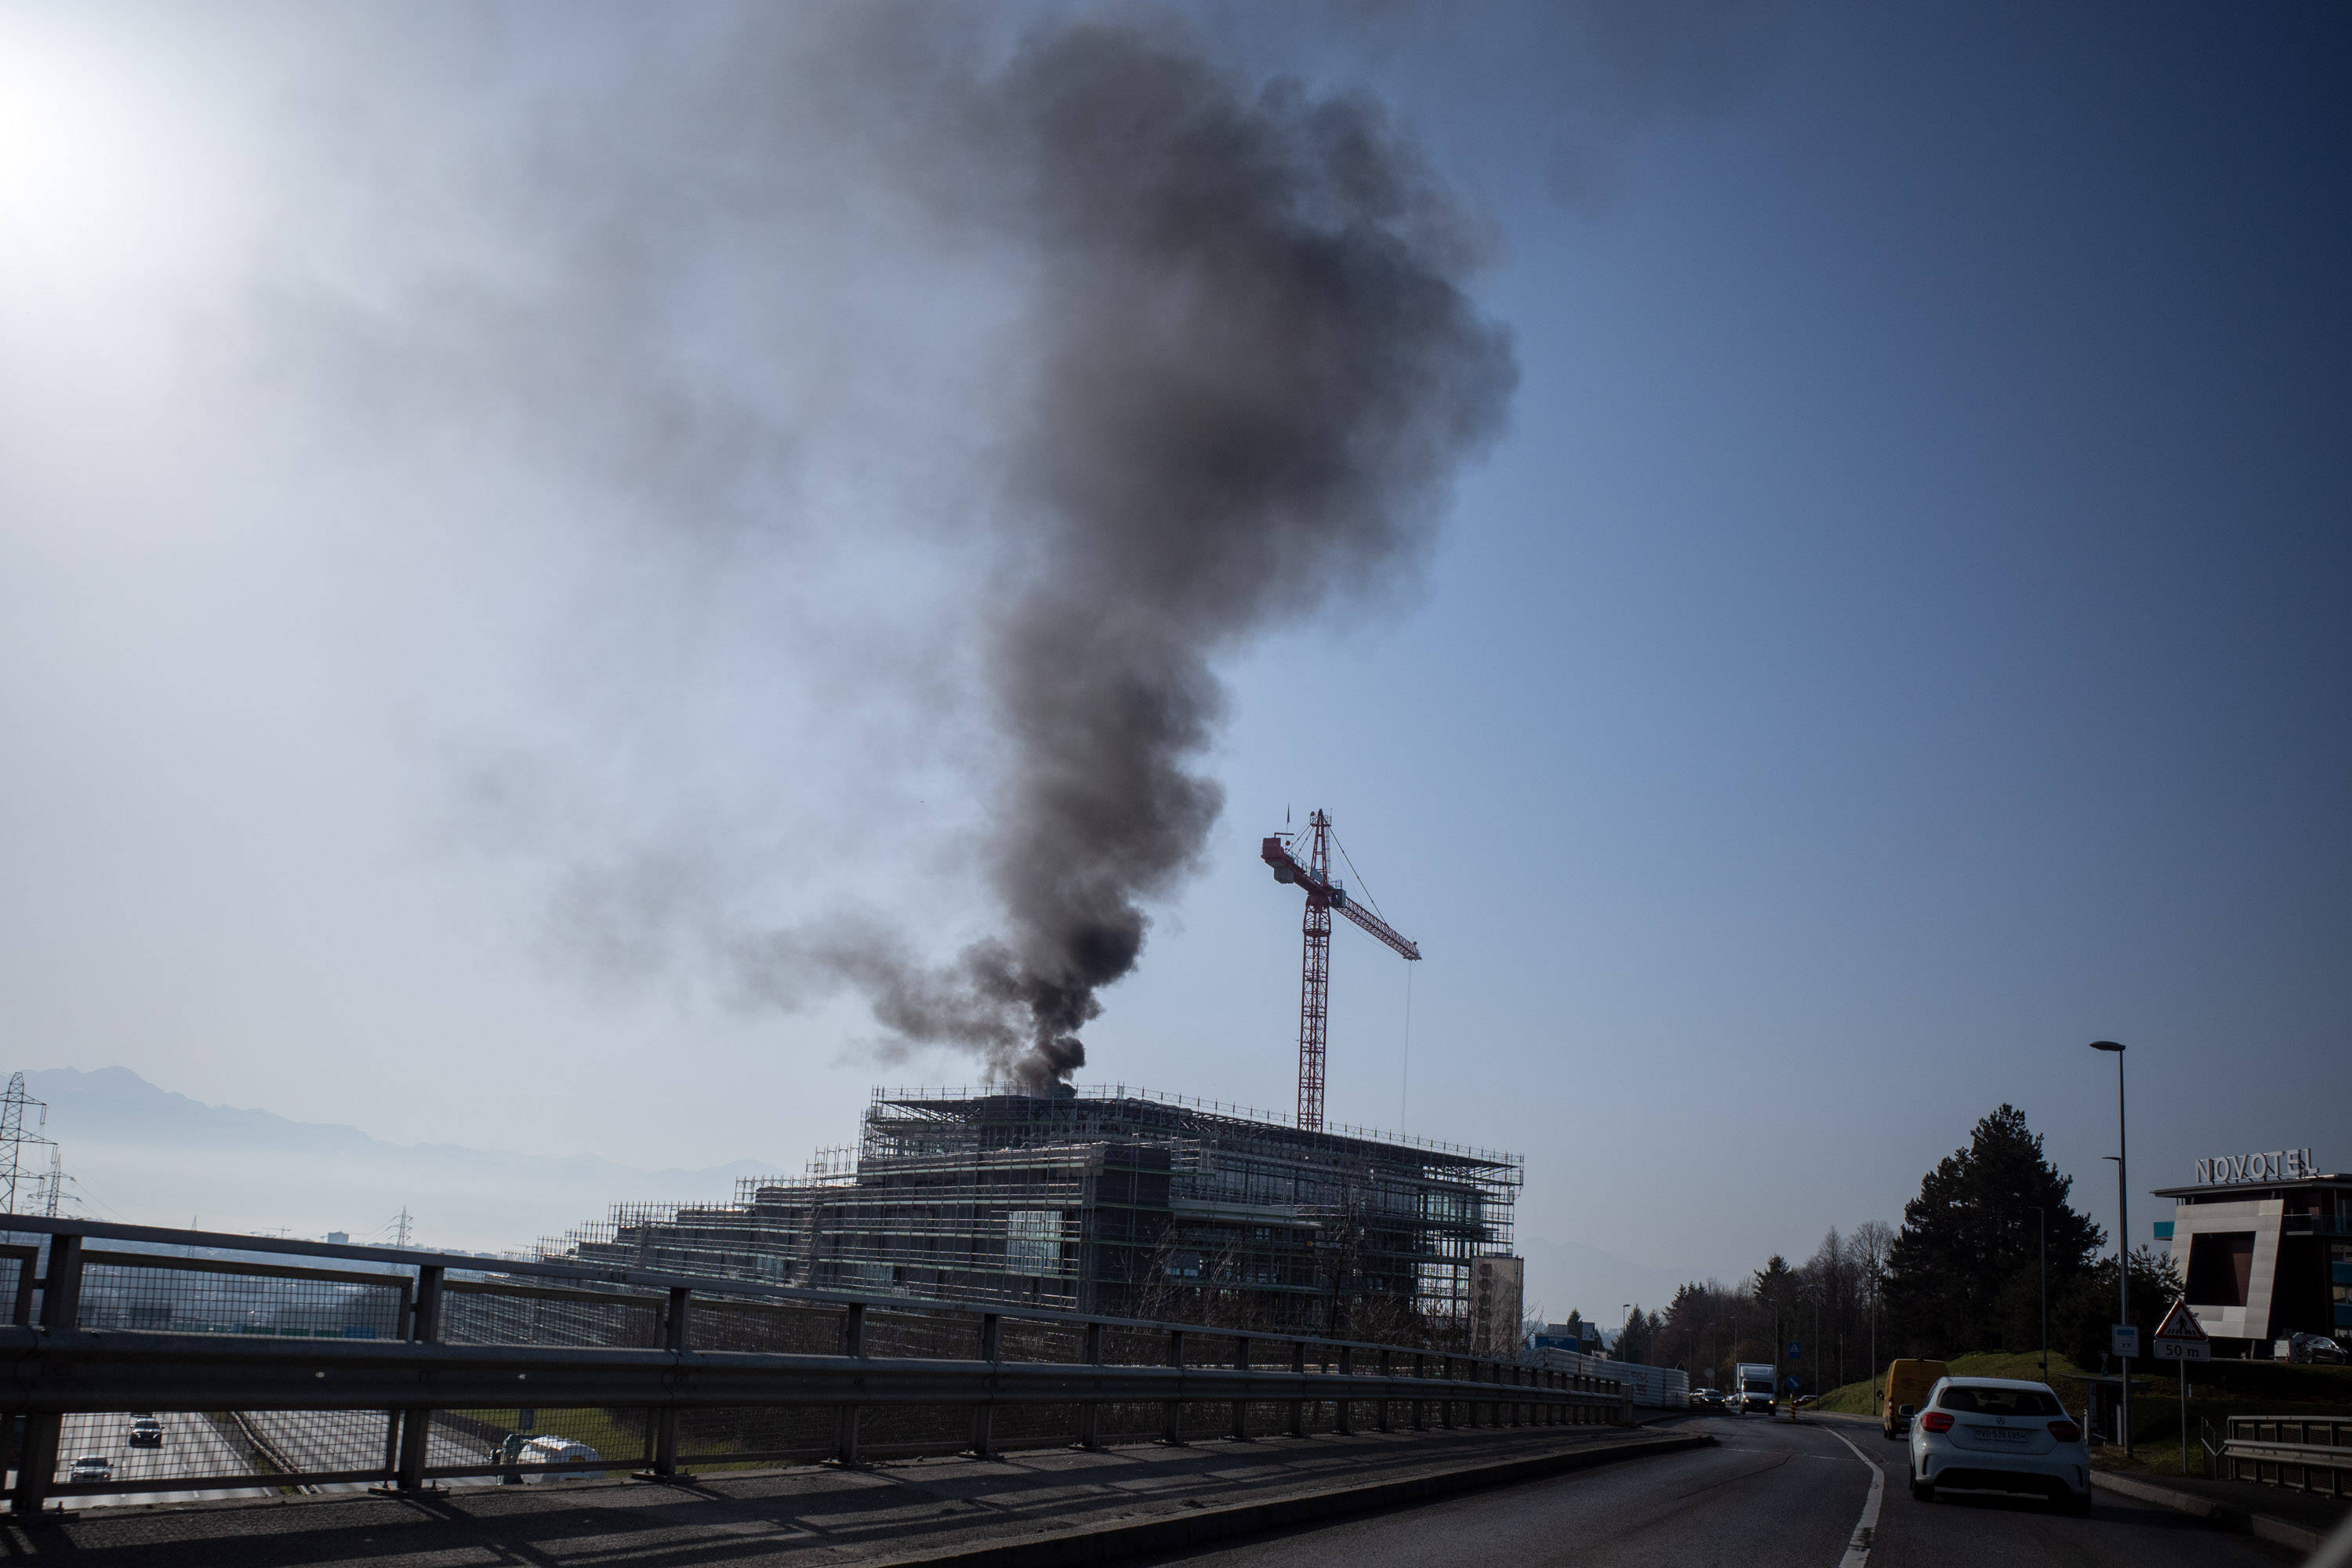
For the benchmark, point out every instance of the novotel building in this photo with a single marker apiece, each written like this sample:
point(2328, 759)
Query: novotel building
point(2264, 1243)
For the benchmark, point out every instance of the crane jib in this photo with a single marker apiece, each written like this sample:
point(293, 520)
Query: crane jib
point(1323, 895)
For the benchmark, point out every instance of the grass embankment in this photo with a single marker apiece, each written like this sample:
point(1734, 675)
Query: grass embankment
point(2217, 1389)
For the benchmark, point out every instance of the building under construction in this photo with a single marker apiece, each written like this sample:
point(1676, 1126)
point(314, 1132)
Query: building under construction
point(1117, 1201)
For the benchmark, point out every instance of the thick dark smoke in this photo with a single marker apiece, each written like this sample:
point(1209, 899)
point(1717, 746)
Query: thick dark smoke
point(1229, 369)
point(1256, 370)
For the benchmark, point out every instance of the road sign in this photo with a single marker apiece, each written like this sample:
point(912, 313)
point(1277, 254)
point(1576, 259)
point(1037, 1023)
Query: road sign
point(2126, 1339)
point(1792, 1386)
point(1793, 1351)
point(2181, 1337)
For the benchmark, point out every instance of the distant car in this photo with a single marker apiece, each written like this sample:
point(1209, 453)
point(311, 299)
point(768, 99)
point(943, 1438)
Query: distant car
point(541, 1452)
point(1805, 1399)
point(1999, 1433)
point(2315, 1348)
point(92, 1468)
point(146, 1432)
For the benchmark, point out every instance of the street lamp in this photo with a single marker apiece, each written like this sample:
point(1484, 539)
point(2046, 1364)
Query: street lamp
point(2123, 1227)
point(2042, 1232)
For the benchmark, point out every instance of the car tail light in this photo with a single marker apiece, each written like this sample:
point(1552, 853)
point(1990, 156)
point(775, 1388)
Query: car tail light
point(1937, 1421)
point(2065, 1431)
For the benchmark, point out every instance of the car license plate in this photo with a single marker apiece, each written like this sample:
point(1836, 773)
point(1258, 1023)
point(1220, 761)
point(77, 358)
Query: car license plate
point(2001, 1434)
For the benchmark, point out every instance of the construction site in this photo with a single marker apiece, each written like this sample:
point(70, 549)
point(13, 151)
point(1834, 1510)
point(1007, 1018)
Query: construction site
point(1132, 1203)
point(1108, 1200)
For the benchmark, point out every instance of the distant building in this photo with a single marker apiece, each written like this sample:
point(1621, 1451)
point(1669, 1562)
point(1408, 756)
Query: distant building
point(1578, 1338)
point(1498, 1290)
point(1123, 1203)
point(2264, 1243)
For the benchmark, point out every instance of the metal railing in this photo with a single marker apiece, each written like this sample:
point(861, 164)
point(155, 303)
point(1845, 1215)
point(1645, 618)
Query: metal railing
point(2301, 1453)
point(214, 1368)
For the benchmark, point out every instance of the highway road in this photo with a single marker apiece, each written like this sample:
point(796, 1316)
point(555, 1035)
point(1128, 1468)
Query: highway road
point(1772, 1495)
point(191, 1445)
point(193, 1448)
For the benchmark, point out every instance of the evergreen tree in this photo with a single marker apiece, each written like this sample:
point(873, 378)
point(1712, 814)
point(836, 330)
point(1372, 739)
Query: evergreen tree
point(1970, 1232)
point(1638, 1337)
point(2082, 1317)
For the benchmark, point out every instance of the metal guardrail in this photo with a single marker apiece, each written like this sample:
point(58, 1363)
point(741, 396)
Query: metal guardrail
point(2306, 1453)
point(442, 1361)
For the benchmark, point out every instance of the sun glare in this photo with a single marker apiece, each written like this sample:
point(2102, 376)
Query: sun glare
point(91, 179)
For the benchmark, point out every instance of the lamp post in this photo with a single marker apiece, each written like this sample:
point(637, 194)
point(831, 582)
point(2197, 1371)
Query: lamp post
point(2042, 1232)
point(1817, 1345)
point(2123, 1227)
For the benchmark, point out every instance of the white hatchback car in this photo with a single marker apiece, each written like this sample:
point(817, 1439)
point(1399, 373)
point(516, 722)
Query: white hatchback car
point(1997, 1434)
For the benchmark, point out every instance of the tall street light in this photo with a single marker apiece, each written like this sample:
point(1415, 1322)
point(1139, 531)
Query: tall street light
point(2041, 1231)
point(2123, 1227)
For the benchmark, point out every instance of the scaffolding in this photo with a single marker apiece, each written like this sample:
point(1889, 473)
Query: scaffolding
point(1111, 1200)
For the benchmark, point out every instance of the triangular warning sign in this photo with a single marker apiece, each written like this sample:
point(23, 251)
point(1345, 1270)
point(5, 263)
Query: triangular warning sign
point(2180, 1323)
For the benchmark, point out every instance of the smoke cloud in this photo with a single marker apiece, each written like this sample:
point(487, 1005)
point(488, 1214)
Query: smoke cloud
point(1232, 369)
point(1255, 369)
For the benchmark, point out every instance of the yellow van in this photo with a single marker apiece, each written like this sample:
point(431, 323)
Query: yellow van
point(1907, 1383)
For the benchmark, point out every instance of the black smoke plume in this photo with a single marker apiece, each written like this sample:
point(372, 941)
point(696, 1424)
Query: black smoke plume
point(1256, 370)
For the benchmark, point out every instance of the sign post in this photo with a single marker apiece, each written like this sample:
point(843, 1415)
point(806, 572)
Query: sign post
point(2181, 1338)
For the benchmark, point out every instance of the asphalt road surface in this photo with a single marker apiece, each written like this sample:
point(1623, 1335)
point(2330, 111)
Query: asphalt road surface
point(1772, 1495)
point(191, 1447)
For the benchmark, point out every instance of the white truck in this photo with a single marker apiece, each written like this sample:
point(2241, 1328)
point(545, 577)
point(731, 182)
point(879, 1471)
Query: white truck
point(1751, 1387)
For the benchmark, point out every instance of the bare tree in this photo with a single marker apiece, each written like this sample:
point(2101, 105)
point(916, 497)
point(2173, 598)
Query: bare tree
point(1872, 1240)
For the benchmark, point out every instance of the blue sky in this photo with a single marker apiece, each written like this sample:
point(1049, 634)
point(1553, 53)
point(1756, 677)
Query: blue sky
point(1899, 638)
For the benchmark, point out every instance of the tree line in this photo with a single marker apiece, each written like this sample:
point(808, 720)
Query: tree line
point(1965, 1272)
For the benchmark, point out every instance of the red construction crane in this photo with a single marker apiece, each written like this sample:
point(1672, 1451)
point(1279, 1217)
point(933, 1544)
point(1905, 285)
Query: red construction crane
point(1324, 894)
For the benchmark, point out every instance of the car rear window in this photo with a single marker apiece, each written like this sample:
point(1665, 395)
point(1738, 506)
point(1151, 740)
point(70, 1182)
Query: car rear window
point(2000, 1401)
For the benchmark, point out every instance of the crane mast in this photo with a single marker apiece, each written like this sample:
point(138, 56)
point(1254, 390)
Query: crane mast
point(1324, 894)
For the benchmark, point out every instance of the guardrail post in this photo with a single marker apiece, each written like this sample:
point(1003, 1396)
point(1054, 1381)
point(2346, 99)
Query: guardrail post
point(853, 1344)
point(983, 1417)
point(1343, 1412)
point(416, 1420)
point(1420, 1406)
point(1383, 1406)
point(1241, 1406)
point(1090, 1413)
point(37, 1459)
point(1445, 1402)
point(666, 1419)
point(1171, 1411)
point(1299, 1407)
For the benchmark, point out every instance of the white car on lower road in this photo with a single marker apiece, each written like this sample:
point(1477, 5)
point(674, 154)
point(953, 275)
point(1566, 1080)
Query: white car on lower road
point(1998, 1434)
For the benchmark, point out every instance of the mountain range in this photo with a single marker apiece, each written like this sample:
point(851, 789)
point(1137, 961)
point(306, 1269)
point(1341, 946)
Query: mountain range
point(139, 1153)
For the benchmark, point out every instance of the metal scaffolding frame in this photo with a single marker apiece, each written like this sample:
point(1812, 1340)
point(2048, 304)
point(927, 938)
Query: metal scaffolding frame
point(1109, 1199)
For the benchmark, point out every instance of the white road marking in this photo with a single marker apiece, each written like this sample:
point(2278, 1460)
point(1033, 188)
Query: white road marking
point(1857, 1550)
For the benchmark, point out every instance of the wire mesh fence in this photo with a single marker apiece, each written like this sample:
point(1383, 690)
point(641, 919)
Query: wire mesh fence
point(168, 1303)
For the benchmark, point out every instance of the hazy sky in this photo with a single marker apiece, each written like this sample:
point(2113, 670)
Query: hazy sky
point(496, 503)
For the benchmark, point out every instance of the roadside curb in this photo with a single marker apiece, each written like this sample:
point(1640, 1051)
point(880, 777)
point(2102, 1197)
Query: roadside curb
point(2244, 1521)
point(1177, 1532)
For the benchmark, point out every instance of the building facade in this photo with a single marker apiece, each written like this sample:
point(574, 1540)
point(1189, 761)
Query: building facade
point(2264, 1243)
point(1124, 1203)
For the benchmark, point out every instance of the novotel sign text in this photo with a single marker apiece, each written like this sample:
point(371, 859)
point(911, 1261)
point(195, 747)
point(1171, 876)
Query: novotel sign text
point(2275, 1165)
